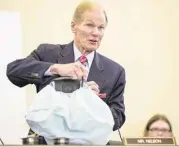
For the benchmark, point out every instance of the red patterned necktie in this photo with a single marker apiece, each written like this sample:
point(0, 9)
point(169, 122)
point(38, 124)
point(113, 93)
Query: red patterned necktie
point(83, 59)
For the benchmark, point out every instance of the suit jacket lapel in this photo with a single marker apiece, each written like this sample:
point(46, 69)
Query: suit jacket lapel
point(96, 71)
point(66, 55)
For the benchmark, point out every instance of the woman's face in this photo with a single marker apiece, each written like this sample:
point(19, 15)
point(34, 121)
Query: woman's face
point(159, 128)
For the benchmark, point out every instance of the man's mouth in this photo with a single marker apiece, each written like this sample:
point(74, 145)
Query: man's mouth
point(93, 41)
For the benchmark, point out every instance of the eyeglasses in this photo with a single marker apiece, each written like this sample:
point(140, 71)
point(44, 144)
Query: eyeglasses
point(163, 130)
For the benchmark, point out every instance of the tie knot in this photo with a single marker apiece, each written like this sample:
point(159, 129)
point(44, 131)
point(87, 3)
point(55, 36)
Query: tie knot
point(83, 59)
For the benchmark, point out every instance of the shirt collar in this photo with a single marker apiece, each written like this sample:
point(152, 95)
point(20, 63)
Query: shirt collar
point(78, 54)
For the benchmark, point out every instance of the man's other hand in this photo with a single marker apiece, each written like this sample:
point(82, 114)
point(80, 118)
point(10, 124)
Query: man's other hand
point(93, 86)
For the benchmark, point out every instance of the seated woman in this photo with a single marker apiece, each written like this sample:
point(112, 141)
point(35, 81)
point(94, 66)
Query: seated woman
point(158, 126)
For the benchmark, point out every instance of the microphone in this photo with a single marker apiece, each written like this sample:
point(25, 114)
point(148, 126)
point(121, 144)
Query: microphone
point(120, 135)
point(1, 141)
point(115, 142)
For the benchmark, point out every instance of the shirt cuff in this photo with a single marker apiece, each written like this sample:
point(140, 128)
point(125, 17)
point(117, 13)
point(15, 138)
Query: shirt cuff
point(48, 73)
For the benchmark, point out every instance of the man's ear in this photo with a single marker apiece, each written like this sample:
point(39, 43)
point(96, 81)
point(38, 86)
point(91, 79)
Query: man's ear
point(73, 27)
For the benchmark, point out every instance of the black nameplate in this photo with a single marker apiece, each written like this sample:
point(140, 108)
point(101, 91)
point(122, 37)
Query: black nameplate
point(149, 141)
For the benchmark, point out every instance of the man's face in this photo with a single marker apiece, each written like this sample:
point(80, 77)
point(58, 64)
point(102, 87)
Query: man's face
point(89, 30)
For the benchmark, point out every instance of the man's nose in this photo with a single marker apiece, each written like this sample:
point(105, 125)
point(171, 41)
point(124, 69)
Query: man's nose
point(95, 31)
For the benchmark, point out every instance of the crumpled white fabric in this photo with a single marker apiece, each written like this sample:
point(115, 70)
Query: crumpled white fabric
point(80, 115)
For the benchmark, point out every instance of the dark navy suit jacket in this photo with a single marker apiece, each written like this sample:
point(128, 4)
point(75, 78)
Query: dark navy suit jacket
point(109, 75)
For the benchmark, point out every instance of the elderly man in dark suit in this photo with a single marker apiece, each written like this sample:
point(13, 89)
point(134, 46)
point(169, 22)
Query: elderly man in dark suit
point(102, 74)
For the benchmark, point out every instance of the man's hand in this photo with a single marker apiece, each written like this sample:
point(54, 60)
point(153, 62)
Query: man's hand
point(74, 70)
point(93, 87)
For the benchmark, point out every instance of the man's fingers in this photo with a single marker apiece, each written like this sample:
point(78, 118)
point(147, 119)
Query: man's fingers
point(92, 83)
point(93, 86)
point(83, 68)
point(81, 71)
point(78, 73)
point(73, 74)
